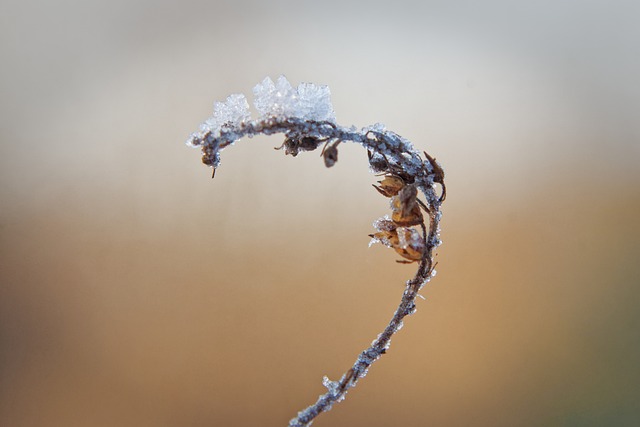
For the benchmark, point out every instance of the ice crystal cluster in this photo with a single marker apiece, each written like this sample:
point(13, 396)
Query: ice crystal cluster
point(307, 102)
point(272, 101)
point(306, 118)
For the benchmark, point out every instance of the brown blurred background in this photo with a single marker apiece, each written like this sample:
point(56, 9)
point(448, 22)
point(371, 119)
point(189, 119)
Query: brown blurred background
point(136, 291)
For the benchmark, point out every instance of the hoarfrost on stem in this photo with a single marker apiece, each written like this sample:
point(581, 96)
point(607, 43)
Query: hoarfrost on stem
point(306, 118)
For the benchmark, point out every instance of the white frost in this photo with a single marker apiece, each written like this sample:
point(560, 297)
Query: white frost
point(280, 100)
point(332, 386)
point(264, 96)
point(233, 111)
point(376, 127)
point(308, 101)
point(314, 102)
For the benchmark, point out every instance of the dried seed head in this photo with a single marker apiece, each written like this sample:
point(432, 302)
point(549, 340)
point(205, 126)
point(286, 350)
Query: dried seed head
point(390, 185)
point(410, 244)
point(293, 145)
point(405, 208)
point(330, 154)
point(407, 242)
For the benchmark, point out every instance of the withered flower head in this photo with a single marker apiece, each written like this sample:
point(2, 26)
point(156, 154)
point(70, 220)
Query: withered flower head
point(294, 144)
point(405, 208)
point(330, 155)
point(390, 185)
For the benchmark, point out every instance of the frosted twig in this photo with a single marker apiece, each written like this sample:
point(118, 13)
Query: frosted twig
point(306, 118)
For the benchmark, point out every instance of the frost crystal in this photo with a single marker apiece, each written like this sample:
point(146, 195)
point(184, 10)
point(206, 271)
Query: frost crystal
point(376, 127)
point(402, 237)
point(233, 112)
point(314, 102)
point(384, 224)
point(271, 99)
point(280, 99)
point(332, 386)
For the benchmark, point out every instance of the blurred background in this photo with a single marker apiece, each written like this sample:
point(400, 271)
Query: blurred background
point(136, 291)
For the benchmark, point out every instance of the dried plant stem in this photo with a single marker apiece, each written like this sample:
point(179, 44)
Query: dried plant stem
point(389, 154)
point(337, 391)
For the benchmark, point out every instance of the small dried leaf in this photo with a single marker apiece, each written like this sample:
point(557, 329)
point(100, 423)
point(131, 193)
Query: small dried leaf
point(439, 174)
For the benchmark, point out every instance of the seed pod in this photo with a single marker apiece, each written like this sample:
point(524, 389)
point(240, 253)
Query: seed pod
point(410, 244)
point(407, 242)
point(293, 145)
point(390, 185)
point(330, 154)
point(405, 208)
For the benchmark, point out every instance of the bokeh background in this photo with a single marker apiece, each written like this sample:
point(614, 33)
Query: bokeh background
point(136, 291)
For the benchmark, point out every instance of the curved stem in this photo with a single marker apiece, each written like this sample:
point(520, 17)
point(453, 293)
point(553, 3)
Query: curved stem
point(337, 390)
point(390, 154)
